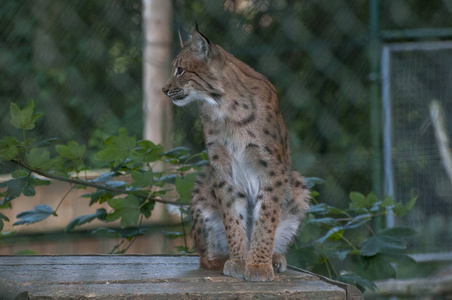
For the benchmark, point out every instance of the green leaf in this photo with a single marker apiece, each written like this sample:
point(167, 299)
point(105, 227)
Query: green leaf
point(179, 152)
point(401, 210)
point(40, 213)
point(4, 205)
point(398, 232)
point(22, 183)
point(333, 234)
point(3, 218)
point(361, 283)
point(312, 181)
point(336, 254)
point(117, 148)
point(184, 169)
point(381, 243)
point(147, 208)
point(358, 221)
point(184, 186)
point(7, 234)
point(39, 159)
point(14, 186)
point(177, 155)
point(319, 209)
point(147, 151)
point(100, 196)
point(388, 201)
point(72, 150)
point(323, 221)
point(360, 202)
point(105, 177)
point(323, 209)
point(100, 214)
point(358, 199)
point(107, 233)
point(25, 118)
point(8, 148)
point(378, 267)
point(171, 179)
point(128, 209)
point(204, 156)
point(142, 179)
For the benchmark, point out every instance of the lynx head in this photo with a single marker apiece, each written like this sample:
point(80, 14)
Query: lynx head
point(196, 71)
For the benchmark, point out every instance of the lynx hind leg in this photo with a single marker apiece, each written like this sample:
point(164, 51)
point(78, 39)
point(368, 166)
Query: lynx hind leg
point(294, 207)
point(207, 229)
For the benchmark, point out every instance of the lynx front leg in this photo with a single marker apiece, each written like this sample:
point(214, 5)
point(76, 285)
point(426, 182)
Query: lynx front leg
point(259, 266)
point(233, 207)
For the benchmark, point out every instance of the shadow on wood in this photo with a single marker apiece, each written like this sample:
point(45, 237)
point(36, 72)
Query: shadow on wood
point(150, 277)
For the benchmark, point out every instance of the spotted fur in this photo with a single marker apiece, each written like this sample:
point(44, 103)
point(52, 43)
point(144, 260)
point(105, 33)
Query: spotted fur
point(247, 205)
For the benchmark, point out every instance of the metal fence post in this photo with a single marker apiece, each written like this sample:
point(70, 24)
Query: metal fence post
point(375, 122)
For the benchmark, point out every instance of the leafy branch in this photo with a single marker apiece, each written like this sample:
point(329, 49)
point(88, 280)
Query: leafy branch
point(130, 201)
point(348, 249)
point(92, 184)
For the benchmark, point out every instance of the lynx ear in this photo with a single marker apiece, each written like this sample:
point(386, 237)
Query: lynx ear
point(200, 44)
point(184, 37)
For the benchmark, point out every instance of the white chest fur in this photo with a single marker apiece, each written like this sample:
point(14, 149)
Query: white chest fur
point(244, 174)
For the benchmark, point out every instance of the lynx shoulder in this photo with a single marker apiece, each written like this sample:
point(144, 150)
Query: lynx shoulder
point(248, 204)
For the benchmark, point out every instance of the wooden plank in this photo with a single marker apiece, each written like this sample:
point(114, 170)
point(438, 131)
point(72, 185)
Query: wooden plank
point(146, 277)
point(428, 288)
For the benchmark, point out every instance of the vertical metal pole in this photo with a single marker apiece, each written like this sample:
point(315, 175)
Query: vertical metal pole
point(387, 133)
point(375, 124)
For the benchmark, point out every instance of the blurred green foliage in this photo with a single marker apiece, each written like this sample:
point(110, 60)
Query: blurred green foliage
point(123, 155)
point(80, 61)
point(316, 55)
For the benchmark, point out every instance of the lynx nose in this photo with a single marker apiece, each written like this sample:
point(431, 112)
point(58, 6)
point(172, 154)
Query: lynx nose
point(165, 90)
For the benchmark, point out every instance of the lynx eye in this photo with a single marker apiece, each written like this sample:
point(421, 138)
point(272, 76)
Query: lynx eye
point(179, 71)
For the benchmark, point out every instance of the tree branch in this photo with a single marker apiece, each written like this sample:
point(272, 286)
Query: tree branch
point(91, 184)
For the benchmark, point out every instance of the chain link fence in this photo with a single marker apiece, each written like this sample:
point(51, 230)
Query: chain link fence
point(81, 62)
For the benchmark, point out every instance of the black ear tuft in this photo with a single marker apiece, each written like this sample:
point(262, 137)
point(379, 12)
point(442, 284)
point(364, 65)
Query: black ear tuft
point(197, 30)
point(200, 44)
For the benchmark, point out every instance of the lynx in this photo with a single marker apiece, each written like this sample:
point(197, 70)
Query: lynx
point(248, 204)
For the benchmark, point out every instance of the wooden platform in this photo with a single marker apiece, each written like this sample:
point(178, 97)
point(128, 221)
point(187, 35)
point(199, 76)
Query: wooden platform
point(150, 277)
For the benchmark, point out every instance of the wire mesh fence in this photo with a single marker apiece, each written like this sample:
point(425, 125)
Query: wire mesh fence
point(82, 63)
point(417, 149)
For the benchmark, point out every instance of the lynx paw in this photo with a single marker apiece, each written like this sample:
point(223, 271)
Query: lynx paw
point(216, 263)
point(259, 272)
point(279, 263)
point(234, 268)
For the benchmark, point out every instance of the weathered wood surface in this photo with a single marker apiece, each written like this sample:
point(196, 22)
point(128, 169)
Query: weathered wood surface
point(149, 277)
point(419, 288)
